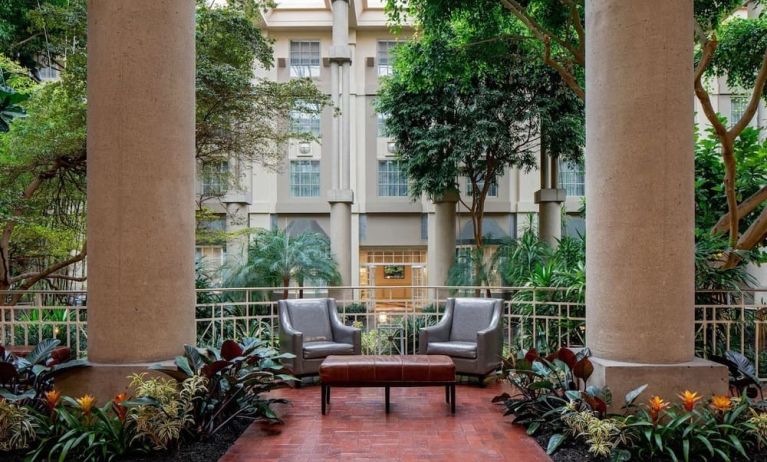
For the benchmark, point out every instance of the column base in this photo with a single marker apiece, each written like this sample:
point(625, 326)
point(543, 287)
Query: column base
point(103, 381)
point(666, 380)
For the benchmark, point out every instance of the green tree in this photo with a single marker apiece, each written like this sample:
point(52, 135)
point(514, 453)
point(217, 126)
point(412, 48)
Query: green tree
point(43, 155)
point(275, 258)
point(461, 104)
point(734, 48)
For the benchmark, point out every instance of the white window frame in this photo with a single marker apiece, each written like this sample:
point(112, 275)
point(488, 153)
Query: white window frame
point(305, 183)
point(383, 56)
point(392, 181)
point(305, 58)
point(572, 178)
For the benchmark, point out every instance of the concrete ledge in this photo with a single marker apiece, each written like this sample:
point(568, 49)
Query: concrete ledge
point(340, 195)
point(103, 381)
point(550, 195)
point(667, 380)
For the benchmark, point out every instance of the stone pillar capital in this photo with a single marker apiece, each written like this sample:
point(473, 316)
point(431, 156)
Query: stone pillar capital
point(550, 195)
point(341, 196)
point(447, 196)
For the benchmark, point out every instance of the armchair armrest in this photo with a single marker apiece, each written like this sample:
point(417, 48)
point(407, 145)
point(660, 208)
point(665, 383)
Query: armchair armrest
point(291, 341)
point(343, 333)
point(439, 332)
point(490, 340)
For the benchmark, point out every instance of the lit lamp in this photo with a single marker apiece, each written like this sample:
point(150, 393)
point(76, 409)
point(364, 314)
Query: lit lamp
point(383, 318)
point(304, 148)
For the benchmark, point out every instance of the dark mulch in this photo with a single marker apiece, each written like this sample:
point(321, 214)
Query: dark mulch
point(570, 451)
point(200, 451)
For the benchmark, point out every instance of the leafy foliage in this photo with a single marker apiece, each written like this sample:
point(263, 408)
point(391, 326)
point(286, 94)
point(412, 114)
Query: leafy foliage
point(222, 385)
point(276, 258)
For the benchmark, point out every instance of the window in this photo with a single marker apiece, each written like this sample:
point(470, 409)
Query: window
point(209, 257)
point(305, 119)
point(384, 57)
point(392, 181)
point(305, 178)
point(572, 178)
point(381, 127)
point(737, 108)
point(48, 74)
point(492, 191)
point(305, 58)
point(214, 178)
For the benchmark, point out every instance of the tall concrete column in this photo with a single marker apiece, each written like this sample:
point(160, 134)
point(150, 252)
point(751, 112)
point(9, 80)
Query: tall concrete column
point(341, 196)
point(549, 199)
point(640, 222)
point(442, 236)
point(141, 106)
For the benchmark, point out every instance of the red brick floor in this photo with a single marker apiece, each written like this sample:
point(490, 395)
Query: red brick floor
point(419, 428)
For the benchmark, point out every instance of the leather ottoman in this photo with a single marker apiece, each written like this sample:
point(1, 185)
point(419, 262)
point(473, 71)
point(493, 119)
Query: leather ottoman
point(387, 372)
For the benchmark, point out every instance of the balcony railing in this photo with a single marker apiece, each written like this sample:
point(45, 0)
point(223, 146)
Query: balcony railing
point(390, 317)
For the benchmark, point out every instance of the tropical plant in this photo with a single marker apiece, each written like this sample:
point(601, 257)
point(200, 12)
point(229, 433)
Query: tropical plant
point(276, 258)
point(743, 379)
point(17, 429)
point(77, 429)
point(228, 383)
point(27, 379)
point(547, 387)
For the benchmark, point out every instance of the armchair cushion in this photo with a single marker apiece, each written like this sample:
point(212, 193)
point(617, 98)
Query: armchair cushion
point(321, 349)
point(455, 349)
point(469, 317)
point(310, 317)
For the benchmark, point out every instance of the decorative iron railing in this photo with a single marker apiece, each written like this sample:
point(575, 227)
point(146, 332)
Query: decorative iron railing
point(390, 317)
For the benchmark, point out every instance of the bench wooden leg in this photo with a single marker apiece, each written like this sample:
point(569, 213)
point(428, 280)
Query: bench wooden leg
point(452, 399)
point(323, 395)
point(327, 393)
point(447, 394)
point(387, 396)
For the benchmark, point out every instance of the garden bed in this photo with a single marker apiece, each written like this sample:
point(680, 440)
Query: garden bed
point(198, 451)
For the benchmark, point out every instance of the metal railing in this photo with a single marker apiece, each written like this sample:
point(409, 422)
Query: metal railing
point(390, 317)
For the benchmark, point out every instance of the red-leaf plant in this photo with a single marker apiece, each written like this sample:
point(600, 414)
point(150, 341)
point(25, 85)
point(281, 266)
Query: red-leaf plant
point(235, 377)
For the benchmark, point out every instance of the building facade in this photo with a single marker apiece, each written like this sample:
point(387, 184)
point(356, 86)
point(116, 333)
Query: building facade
point(392, 237)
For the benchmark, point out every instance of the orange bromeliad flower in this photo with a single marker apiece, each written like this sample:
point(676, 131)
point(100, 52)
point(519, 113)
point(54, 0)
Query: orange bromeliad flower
point(52, 399)
point(86, 403)
point(721, 403)
point(657, 405)
point(689, 399)
point(119, 409)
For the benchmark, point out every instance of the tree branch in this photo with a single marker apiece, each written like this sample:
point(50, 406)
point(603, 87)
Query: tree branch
point(753, 104)
point(745, 207)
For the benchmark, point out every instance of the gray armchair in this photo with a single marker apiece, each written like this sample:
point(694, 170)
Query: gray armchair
point(470, 332)
point(311, 330)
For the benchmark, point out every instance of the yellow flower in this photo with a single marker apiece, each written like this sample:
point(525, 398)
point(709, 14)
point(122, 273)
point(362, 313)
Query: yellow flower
point(657, 405)
point(689, 399)
point(52, 399)
point(721, 403)
point(86, 403)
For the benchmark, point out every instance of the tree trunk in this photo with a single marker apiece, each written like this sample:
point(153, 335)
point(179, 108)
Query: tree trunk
point(285, 285)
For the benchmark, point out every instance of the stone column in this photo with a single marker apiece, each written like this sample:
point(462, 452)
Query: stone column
point(341, 196)
point(640, 220)
point(141, 122)
point(442, 235)
point(549, 199)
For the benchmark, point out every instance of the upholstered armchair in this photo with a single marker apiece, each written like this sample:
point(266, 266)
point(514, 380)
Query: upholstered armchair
point(311, 330)
point(470, 332)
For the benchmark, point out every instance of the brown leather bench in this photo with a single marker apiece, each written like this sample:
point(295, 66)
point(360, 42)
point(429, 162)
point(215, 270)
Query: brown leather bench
point(388, 371)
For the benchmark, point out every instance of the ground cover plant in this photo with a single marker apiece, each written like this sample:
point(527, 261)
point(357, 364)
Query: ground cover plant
point(571, 420)
point(208, 392)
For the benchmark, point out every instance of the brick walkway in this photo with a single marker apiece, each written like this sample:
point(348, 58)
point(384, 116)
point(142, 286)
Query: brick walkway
point(419, 428)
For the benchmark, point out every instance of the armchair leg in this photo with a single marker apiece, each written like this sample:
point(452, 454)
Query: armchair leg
point(447, 394)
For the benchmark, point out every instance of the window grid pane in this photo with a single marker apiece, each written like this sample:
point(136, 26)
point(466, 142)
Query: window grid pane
point(305, 178)
point(572, 178)
point(214, 178)
point(383, 56)
point(737, 108)
point(381, 127)
point(491, 192)
point(304, 58)
point(392, 181)
point(305, 121)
